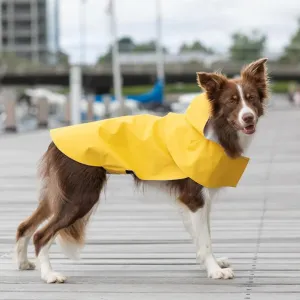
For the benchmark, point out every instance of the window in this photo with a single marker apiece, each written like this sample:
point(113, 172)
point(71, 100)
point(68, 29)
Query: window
point(23, 41)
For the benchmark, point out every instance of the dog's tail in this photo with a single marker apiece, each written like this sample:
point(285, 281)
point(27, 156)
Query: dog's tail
point(72, 239)
point(73, 190)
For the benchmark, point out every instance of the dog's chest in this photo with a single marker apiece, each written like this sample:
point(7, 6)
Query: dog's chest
point(209, 133)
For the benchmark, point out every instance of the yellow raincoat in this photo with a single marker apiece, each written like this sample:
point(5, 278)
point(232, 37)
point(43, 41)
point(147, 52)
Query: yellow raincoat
point(154, 148)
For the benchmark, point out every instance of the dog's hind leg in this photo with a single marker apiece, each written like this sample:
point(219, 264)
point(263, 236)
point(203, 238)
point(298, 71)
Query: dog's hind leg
point(73, 199)
point(63, 219)
point(25, 231)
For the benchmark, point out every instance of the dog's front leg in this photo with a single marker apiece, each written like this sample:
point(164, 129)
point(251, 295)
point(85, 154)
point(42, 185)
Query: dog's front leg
point(202, 239)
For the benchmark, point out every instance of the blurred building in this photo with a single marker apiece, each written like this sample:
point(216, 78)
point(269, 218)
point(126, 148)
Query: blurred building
point(30, 29)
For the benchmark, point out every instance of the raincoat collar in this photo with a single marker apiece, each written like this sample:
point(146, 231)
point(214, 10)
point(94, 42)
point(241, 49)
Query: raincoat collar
point(199, 112)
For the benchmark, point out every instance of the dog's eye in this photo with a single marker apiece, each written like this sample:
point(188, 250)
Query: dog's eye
point(250, 97)
point(233, 99)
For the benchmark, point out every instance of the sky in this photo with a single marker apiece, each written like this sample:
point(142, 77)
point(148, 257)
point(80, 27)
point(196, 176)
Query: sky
point(210, 21)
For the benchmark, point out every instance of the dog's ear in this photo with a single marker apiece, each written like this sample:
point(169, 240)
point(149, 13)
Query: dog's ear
point(256, 73)
point(211, 82)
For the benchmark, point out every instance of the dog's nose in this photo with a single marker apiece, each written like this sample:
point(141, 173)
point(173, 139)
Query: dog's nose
point(248, 118)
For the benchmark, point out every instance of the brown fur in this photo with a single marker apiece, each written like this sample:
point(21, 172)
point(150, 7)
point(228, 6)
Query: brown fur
point(71, 189)
point(29, 225)
point(189, 192)
point(226, 102)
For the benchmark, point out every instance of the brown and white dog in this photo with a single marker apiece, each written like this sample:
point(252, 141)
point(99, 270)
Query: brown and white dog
point(71, 190)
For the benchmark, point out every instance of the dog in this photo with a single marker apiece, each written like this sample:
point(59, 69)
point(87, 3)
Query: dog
point(71, 190)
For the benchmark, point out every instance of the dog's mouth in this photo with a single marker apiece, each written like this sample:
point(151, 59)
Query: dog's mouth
point(249, 129)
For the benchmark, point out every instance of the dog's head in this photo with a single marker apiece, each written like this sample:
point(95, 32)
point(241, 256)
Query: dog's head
point(237, 104)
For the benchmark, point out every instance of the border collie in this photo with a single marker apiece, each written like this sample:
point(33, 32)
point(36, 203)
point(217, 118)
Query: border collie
point(237, 105)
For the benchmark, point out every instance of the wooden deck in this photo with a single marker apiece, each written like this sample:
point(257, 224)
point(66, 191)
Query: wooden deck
point(140, 250)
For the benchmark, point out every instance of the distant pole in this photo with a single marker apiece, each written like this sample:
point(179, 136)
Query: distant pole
point(1, 46)
point(117, 83)
point(82, 32)
point(75, 94)
point(82, 36)
point(159, 47)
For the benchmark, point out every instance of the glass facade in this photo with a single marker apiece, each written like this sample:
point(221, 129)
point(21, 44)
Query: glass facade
point(52, 11)
point(30, 29)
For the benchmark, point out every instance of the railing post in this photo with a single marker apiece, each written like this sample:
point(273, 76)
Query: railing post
point(67, 111)
point(43, 112)
point(75, 94)
point(9, 97)
point(90, 107)
point(106, 102)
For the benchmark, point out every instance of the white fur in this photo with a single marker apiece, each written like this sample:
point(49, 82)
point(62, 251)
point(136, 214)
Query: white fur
point(245, 108)
point(70, 250)
point(21, 254)
point(47, 274)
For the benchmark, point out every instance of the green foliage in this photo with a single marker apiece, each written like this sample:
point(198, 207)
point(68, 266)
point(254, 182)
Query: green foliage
point(247, 47)
point(181, 88)
point(291, 53)
point(195, 46)
point(281, 87)
point(174, 88)
point(127, 45)
point(63, 58)
point(12, 61)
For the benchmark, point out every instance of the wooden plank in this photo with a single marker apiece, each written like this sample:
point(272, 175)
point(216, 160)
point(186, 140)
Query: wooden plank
point(120, 296)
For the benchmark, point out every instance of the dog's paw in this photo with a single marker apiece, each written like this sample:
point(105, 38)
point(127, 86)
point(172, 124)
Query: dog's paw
point(26, 265)
point(219, 273)
point(54, 277)
point(223, 262)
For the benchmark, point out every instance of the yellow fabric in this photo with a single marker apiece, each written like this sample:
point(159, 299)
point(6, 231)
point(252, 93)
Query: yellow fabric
point(154, 148)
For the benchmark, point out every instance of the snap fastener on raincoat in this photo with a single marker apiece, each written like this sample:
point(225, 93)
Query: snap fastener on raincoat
point(154, 148)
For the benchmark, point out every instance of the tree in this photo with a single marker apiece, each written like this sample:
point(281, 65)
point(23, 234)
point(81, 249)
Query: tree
point(127, 45)
point(62, 58)
point(247, 48)
point(145, 47)
point(196, 46)
point(12, 61)
point(291, 53)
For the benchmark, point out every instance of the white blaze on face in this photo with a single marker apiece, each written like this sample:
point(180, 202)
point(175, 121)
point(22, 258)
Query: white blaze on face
point(245, 110)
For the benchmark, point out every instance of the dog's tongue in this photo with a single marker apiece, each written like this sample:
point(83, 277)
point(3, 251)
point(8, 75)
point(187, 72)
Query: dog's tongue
point(249, 129)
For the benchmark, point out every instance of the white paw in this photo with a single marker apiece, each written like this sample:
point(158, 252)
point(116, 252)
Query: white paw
point(223, 262)
point(54, 277)
point(26, 265)
point(219, 273)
